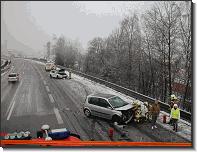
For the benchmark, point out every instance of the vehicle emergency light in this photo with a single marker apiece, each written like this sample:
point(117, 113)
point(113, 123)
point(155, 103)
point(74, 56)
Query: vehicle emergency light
point(8, 77)
point(59, 133)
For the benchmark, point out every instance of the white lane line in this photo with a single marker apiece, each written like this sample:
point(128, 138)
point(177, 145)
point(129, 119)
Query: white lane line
point(23, 72)
point(10, 111)
point(29, 95)
point(12, 103)
point(47, 88)
point(51, 98)
point(58, 116)
point(44, 82)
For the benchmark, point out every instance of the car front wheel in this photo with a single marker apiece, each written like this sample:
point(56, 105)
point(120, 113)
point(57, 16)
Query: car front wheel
point(50, 76)
point(116, 119)
point(87, 113)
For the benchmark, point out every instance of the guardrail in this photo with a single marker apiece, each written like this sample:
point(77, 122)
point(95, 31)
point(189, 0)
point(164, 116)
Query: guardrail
point(5, 63)
point(6, 67)
point(164, 106)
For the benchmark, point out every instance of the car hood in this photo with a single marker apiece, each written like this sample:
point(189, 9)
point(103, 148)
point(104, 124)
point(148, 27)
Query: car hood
point(129, 106)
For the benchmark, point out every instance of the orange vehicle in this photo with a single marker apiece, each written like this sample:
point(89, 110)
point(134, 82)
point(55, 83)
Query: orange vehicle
point(55, 137)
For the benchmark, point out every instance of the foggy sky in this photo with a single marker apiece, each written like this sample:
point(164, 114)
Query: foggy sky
point(29, 25)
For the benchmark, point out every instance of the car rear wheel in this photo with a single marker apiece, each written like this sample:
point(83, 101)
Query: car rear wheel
point(87, 113)
point(116, 119)
point(57, 77)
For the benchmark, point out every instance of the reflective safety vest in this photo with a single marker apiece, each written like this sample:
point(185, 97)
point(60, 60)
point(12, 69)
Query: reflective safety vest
point(175, 114)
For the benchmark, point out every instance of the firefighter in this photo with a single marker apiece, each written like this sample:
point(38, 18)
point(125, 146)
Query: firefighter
point(137, 113)
point(70, 74)
point(172, 102)
point(149, 107)
point(134, 103)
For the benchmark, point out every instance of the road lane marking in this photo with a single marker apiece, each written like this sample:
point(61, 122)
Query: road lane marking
point(44, 82)
point(58, 116)
point(12, 103)
point(51, 98)
point(29, 95)
point(47, 88)
point(23, 72)
point(10, 111)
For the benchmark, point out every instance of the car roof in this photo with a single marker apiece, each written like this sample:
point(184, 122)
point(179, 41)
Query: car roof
point(107, 96)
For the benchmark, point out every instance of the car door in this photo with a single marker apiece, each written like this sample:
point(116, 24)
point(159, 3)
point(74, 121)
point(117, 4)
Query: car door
point(103, 109)
point(93, 104)
point(54, 74)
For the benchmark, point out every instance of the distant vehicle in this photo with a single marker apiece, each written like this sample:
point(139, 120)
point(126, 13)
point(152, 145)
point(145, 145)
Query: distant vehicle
point(13, 77)
point(49, 65)
point(109, 107)
point(58, 73)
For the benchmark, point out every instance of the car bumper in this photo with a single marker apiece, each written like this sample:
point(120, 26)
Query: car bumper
point(62, 76)
point(12, 80)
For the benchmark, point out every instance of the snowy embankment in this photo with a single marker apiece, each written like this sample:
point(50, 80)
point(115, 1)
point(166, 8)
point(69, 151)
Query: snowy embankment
point(184, 127)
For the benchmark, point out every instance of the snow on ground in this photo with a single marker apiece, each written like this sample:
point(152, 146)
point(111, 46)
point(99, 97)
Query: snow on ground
point(184, 127)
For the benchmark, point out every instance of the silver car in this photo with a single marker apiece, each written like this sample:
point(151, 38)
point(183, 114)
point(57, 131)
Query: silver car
point(13, 77)
point(109, 107)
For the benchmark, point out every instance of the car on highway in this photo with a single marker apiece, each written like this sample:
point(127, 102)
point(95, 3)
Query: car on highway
point(109, 107)
point(13, 77)
point(60, 73)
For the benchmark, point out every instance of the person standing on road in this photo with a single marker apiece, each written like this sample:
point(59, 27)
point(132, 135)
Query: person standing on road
point(175, 116)
point(171, 105)
point(149, 108)
point(155, 113)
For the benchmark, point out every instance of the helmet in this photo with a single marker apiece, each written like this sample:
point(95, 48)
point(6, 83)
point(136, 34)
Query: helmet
point(173, 96)
point(134, 103)
point(145, 103)
point(138, 103)
point(175, 105)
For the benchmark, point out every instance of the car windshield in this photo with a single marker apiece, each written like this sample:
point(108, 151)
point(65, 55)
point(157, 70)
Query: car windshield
point(48, 64)
point(117, 102)
point(12, 75)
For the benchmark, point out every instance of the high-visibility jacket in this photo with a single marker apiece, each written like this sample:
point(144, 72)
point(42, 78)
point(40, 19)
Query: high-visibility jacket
point(175, 113)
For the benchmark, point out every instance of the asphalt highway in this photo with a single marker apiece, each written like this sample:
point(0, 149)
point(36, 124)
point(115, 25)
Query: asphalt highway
point(38, 99)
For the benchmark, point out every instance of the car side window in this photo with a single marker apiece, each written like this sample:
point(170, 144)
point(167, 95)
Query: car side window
point(103, 103)
point(93, 101)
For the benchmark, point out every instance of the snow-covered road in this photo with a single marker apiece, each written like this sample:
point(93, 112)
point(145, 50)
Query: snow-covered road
point(87, 87)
